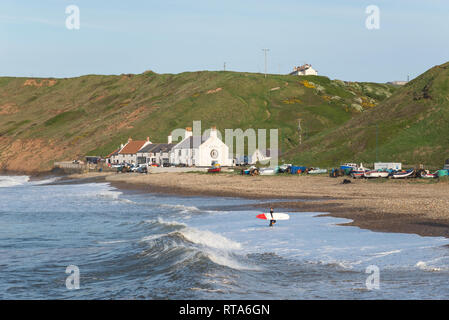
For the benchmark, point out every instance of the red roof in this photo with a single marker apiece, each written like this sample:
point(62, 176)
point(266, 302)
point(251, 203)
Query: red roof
point(112, 153)
point(133, 146)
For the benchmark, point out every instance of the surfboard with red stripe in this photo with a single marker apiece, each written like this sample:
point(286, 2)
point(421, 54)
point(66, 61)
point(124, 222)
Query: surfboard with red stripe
point(276, 216)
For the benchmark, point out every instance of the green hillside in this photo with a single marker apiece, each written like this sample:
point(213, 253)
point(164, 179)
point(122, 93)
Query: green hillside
point(43, 120)
point(413, 128)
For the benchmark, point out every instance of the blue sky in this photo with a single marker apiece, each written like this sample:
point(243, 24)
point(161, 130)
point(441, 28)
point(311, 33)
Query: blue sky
point(172, 36)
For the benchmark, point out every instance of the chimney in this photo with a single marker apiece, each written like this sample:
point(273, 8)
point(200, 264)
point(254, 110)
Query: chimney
point(170, 139)
point(213, 131)
point(188, 132)
point(130, 139)
point(148, 139)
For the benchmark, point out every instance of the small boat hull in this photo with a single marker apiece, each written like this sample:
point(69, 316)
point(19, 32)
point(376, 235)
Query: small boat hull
point(403, 175)
point(376, 174)
point(317, 171)
point(357, 174)
point(267, 172)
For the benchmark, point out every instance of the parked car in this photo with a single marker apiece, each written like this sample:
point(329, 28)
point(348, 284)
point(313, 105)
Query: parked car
point(139, 167)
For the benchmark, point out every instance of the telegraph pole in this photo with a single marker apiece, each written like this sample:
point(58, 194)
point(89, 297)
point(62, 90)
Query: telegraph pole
point(224, 66)
point(377, 142)
point(265, 51)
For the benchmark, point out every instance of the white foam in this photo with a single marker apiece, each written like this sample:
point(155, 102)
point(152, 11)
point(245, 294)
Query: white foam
point(225, 260)
point(167, 223)
point(109, 194)
point(112, 242)
point(209, 239)
point(11, 181)
point(386, 253)
point(423, 266)
point(45, 181)
point(214, 246)
point(181, 207)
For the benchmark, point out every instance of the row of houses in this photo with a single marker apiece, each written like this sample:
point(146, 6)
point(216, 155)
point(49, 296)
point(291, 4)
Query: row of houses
point(200, 151)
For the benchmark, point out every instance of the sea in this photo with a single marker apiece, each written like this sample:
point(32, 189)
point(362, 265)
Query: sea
point(63, 240)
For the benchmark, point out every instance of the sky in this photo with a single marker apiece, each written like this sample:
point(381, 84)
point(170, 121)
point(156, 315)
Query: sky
point(174, 36)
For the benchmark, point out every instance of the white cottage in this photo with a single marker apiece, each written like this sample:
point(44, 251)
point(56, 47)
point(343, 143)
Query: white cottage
point(127, 153)
point(200, 151)
point(304, 70)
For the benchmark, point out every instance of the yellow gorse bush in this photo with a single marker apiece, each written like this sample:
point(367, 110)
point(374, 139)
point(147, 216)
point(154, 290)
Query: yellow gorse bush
point(291, 101)
point(307, 84)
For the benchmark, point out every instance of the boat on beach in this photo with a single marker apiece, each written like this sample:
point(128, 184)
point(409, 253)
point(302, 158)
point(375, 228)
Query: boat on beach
point(358, 172)
point(403, 175)
point(215, 168)
point(426, 174)
point(267, 171)
point(345, 166)
point(376, 174)
point(316, 171)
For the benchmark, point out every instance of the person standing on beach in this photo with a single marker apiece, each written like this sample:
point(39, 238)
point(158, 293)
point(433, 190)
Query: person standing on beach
point(272, 221)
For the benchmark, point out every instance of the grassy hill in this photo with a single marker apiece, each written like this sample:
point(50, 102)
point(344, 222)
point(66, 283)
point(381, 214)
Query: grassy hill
point(413, 128)
point(47, 120)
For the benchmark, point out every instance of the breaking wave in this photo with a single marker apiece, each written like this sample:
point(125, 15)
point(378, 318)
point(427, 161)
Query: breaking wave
point(12, 181)
point(193, 243)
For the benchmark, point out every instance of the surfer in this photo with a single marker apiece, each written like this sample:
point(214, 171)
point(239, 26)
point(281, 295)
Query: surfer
point(272, 221)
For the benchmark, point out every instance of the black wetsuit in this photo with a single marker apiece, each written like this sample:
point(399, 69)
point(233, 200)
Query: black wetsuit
point(272, 221)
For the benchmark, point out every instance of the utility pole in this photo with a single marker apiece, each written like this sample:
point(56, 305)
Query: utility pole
point(299, 131)
point(265, 51)
point(224, 66)
point(377, 143)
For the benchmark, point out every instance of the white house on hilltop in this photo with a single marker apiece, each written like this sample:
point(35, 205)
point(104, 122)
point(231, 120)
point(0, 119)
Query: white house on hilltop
point(305, 70)
point(200, 151)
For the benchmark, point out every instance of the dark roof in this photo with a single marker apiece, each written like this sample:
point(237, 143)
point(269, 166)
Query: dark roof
point(157, 147)
point(164, 147)
point(192, 142)
point(148, 148)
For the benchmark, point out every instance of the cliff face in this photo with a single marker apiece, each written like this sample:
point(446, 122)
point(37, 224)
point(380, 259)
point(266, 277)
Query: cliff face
point(47, 120)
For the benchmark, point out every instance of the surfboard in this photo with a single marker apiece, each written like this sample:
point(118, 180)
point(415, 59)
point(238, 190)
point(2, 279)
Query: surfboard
point(276, 216)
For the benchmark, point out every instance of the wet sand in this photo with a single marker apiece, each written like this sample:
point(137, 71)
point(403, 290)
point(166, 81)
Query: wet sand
point(407, 206)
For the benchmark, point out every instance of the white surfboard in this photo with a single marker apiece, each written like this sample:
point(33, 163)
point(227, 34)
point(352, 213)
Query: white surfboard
point(276, 216)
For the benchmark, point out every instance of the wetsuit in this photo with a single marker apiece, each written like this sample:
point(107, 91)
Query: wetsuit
point(272, 221)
